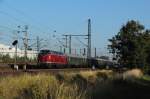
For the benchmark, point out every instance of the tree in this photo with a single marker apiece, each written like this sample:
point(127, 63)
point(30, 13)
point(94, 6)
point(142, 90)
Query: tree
point(130, 46)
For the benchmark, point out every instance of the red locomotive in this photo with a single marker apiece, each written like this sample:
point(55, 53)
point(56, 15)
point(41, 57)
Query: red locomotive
point(52, 59)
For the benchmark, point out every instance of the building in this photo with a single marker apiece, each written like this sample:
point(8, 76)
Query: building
point(5, 49)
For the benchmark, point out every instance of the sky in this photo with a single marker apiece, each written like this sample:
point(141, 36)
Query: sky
point(46, 18)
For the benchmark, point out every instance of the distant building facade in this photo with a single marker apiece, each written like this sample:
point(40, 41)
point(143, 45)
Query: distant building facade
point(7, 50)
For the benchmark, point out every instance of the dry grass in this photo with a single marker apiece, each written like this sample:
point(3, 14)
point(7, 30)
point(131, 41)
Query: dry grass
point(40, 86)
point(82, 85)
point(134, 73)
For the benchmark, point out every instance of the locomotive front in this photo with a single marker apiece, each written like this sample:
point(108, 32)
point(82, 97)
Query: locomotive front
point(51, 59)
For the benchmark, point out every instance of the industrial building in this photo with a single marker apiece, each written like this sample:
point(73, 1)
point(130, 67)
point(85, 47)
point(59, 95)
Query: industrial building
point(8, 50)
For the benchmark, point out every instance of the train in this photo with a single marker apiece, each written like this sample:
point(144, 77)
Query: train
point(53, 59)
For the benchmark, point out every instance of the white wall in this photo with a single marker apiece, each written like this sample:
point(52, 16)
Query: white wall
point(4, 49)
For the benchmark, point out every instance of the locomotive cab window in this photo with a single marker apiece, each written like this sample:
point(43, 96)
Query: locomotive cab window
point(44, 51)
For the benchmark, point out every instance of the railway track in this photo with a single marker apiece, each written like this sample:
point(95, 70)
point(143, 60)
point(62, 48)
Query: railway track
point(5, 70)
point(37, 71)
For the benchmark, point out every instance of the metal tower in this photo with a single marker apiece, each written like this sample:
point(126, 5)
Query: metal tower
point(89, 39)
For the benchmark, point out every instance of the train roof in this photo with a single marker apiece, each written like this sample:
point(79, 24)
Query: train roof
point(77, 56)
point(46, 51)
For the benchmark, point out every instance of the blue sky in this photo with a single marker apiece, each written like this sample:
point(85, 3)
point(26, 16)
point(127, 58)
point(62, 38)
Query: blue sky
point(70, 17)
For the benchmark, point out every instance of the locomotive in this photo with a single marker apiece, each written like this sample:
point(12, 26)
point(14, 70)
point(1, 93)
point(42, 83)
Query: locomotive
point(51, 59)
point(54, 59)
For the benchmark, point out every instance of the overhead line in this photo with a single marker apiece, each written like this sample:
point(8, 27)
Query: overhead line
point(7, 14)
point(18, 20)
point(23, 14)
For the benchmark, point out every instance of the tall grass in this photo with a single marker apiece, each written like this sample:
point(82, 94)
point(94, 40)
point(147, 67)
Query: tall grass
point(135, 73)
point(39, 86)
point(82, 85)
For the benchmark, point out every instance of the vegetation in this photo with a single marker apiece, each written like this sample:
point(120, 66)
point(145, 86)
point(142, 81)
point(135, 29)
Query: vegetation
point(83, 85)
point(130, 47)
point(7, 59)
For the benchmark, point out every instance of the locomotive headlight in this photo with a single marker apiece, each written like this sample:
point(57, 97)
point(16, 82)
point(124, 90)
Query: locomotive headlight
point(49, 57)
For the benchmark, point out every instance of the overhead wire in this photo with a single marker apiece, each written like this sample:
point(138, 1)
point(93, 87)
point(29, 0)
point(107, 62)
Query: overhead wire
point(14, 18)
point(24, 15)
point(81, 41)
point(11, 16)
point(6, 27)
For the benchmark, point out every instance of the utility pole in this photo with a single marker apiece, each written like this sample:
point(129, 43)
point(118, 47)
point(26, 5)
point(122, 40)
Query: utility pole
point(66, 43)
point(38, 44)
point(66, 40)
point(89, 39)
point(75, 50)
point(80, 51)
point(60, 48)
point(95, 53)
point(84, 51)
point(69, 44)
point(89, 42)
point(64, 50)
point(25, 46)
point(18, 32)
point(70, 39)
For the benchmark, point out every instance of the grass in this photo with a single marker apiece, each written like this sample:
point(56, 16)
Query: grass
point(146, 77)
point(83, 85)
point(39, 86)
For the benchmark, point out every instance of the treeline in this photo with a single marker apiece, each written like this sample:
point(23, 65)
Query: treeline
point(7, 59)
point(131, 46)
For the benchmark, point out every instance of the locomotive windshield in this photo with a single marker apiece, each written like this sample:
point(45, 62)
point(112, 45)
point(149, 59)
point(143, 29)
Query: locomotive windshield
point(44, 51)
point(50, 52)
